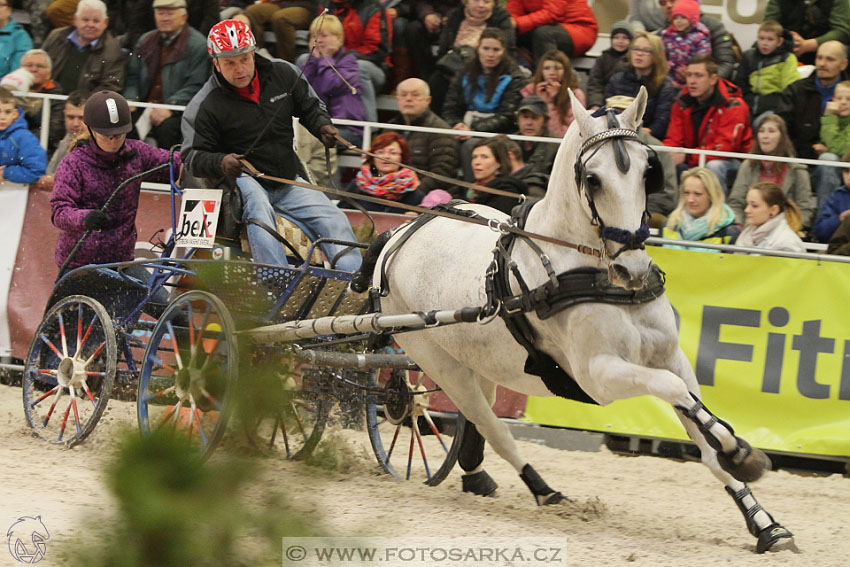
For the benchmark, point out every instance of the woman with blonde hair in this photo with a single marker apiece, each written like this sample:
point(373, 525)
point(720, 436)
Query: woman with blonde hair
point(773, 220)
point(647, 67)
point(554, 75)
point(702, 214)
point(771, 138)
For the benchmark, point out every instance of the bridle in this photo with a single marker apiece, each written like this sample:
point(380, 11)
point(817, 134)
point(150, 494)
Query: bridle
point(617, 136)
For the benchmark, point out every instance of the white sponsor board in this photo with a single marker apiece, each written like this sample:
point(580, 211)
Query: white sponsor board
point(198, 218)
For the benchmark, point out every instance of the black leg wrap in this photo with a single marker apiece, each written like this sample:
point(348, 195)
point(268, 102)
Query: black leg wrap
point(542, 493)
point(771, 535)
point(471, 453)
point(479, 483)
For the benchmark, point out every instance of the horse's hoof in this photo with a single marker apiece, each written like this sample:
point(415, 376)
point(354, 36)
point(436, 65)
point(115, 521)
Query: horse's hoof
point(746, 463)
point(551, 498)
point(479, 483)
point(776, 538)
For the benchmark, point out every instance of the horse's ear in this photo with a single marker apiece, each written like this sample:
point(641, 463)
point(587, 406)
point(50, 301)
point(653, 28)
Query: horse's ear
point(582, 116)
point(632, 116)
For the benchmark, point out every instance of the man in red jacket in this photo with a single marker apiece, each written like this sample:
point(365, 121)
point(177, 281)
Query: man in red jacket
point(710, 114)
point(568, 25)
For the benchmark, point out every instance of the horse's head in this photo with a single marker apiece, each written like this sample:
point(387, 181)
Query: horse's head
point(602, 166)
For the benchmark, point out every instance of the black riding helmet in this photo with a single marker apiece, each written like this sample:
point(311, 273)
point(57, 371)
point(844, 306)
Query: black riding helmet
point(107, 113)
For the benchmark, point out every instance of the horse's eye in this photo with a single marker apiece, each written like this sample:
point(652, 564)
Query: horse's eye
point(593, 182)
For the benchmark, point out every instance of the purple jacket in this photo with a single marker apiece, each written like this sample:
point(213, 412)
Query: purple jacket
point(333, 91)
point(84, 181)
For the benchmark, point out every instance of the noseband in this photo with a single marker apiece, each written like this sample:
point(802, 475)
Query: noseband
point(616, 135)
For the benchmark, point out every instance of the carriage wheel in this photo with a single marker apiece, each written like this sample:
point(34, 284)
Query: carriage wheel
point(69, 370)
point(410, 440)
point(189, 371)
point(286, 412)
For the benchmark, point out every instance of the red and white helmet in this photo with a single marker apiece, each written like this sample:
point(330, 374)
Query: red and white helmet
point(230, 37)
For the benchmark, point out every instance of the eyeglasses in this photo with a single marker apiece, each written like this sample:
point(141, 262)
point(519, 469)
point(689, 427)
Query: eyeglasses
point(642, 50)
point(33, 65)
point(385, 152)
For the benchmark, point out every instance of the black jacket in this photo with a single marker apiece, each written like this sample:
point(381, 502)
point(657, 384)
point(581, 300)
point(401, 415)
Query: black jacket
point(218, 121)
point(800, 106)
point(658, 105)
point(437, 153)
point(500, 202)
point(607, 64)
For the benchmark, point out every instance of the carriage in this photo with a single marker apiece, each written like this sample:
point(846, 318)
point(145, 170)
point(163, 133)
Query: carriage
point(191, 366)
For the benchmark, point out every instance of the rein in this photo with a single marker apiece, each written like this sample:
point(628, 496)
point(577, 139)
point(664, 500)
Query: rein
point(494, 224)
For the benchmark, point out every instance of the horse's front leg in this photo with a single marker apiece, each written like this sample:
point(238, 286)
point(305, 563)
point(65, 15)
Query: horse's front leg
point(772, 536)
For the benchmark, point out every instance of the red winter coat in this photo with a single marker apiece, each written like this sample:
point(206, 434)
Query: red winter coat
point(725, 127)
point(367, 28)
point(574, 15)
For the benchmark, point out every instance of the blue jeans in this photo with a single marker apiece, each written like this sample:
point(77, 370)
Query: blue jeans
point(308, 206)
point(825, 178)
point(724, 169)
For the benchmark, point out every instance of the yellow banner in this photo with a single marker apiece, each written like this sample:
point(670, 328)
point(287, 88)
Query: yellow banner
point(769, 339)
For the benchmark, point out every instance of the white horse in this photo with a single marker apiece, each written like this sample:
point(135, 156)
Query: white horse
point(612, 351)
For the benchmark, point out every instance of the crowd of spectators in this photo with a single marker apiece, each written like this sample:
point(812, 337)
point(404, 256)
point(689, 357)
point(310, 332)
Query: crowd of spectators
point(502, 67)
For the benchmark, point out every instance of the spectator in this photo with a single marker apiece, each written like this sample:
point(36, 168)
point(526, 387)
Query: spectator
point(793, 178)
point(368, 34)
point(235, 112)
point(22, 159)
point(169, 66)
point(835, 137)
point(609, 62)
point(85, 55)
point(722, 44)
point(491, 166)
point(840, 241)
point(285, 17)
point(803, 102)
point(812, 23)
point(702, 214)
point(772, 220)
point(535, 180)
point(74, 126)
point(38, 27)
point(129, 19)
point(422, 34)
point(709, 115)
point(551, 81)
point(100, 161)
point(835, 209)
point(435, 153)
point(647, 15)
point(684, 39)
point(459, 42)
point(647, 67)
point(386, 180)
point(485, 97)
point(333, 73)
point(14, 40)
point(532, 115)
point(568, 25)
point(38, 63)
point(766, 69)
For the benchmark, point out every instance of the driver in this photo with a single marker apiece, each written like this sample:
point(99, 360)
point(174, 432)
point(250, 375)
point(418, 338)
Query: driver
point(99, 160)
point(246, 108)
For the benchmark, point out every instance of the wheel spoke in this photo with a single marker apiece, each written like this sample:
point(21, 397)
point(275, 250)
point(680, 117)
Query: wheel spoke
point(434, 430)
point(64, 422)
point(201, 432)
point(409, 456)
point(79, 326)
point(62, 333)
point(211, 399)
point(96, 352)
point(76, 413)
point(46, 341)
point(173, 335)
point(203, 326)
point(89, 394)
point(421, 449)
point(44, 396)
point(53, 405)
point(88, 332)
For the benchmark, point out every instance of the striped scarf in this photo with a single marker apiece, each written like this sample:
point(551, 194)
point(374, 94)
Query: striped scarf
point(391, 186)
